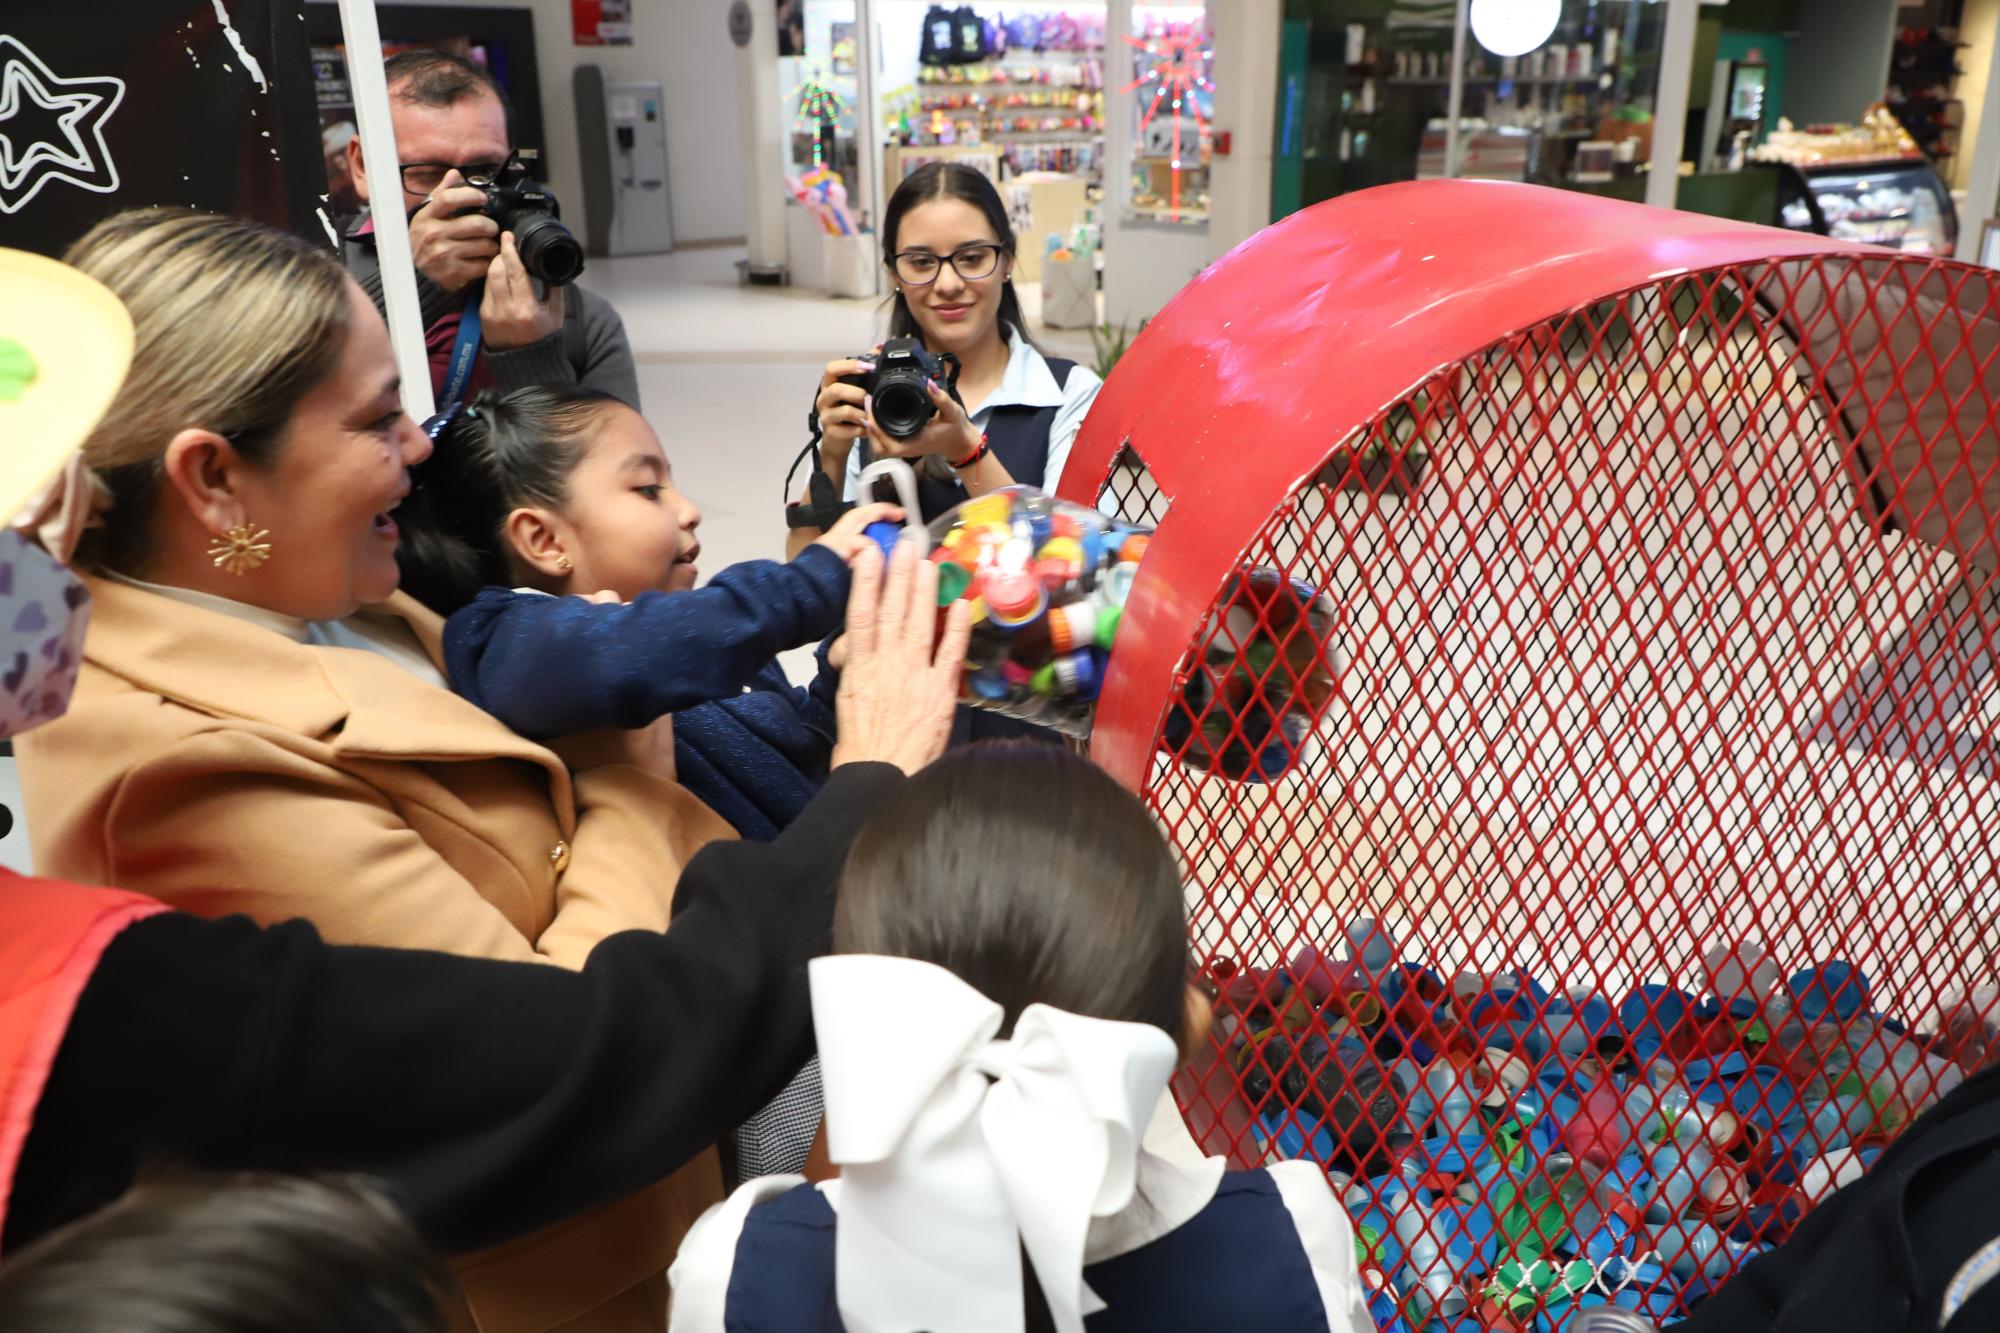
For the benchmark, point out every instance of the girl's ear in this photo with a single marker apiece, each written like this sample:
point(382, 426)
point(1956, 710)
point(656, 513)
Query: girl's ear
point(535, 540)
point(1197, 1015)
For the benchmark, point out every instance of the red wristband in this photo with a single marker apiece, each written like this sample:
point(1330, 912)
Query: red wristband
point(972, 457)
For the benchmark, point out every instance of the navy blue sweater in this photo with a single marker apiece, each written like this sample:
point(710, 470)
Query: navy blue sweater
point(750, 744)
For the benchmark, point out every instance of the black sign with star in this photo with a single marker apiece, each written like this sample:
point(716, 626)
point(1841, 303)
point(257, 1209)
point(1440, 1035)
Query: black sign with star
point(207, 103)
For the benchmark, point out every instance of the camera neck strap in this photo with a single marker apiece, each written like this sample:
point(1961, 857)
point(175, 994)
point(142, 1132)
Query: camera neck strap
point(823, 506)
point(464, 351)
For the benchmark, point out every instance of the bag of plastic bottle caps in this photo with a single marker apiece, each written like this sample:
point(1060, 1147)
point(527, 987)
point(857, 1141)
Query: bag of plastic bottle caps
point(1262, 682)
point(1047, 581)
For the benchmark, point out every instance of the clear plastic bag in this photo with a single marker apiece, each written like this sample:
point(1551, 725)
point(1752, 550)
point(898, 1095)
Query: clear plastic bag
point(1048, 581)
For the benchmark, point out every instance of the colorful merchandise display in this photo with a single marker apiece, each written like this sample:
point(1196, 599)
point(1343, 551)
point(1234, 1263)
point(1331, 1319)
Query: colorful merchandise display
point(1512, 1155)
point(824, 195)
point(1035, 92)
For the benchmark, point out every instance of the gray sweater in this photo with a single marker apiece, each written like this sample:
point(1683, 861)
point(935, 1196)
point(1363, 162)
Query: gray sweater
point(591, 349)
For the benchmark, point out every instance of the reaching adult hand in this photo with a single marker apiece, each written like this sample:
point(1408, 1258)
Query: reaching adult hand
point(451, 246)
point(898, 687)
point(511, 316)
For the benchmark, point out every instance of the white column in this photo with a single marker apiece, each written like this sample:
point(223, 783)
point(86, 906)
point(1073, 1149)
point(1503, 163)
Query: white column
point(871, 192)
point(392, 229)
point(758, 111)
point(1246, 93)
point(1455, 100)
point(1982, 179)
point(1670, 104)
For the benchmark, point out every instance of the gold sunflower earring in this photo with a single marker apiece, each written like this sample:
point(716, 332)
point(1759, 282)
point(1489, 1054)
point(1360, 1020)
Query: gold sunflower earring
point(241, 549)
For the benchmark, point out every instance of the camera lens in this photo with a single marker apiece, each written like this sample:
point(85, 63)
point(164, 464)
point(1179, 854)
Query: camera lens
point(902, 407)
point(548, 251)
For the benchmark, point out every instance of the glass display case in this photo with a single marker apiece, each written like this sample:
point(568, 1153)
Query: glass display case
point(1901, 205)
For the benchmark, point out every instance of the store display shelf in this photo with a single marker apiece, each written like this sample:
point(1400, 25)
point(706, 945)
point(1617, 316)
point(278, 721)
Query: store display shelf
point(1016, 85)
point(1490, 78)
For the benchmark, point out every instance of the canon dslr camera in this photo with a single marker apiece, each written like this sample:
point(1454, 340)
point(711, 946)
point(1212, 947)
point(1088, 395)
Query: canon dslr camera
point(897, 383)
point(523, 205)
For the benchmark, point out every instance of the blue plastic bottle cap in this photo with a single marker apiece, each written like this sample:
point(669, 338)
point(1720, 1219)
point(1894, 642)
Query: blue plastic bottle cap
point(884, 534)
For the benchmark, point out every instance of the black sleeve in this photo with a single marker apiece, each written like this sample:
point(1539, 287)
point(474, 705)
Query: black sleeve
point(494, 1098)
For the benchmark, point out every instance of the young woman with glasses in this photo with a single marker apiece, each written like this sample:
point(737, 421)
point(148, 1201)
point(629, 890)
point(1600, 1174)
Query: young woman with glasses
point(950, 253)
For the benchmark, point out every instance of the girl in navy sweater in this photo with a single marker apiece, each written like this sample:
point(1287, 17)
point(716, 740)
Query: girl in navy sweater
point(1006, 1002)
point(563, 490)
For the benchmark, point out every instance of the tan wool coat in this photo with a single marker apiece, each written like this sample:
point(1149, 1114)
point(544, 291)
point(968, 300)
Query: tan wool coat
point(222, 767)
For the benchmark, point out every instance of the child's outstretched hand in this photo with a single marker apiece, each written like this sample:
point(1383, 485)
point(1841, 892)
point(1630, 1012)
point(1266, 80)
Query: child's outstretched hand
point(849, 535)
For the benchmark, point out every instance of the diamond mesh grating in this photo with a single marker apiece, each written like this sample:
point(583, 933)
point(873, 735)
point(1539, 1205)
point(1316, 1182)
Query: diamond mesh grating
point(1662, 758)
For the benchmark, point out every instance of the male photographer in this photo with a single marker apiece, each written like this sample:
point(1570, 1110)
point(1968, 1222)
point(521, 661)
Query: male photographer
point(454, 134)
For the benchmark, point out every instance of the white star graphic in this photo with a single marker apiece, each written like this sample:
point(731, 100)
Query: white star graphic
point(82, 106)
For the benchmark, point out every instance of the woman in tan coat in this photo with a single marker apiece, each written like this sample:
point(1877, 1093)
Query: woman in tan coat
point(260, 725)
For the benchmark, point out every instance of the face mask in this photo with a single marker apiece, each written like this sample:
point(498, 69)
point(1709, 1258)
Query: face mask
point(43, 612)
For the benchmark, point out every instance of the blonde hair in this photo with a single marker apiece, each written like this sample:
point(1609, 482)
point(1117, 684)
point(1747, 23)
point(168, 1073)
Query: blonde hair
point(236, 323)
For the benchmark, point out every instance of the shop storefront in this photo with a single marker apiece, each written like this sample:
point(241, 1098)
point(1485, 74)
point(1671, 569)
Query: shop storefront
point(1095, 119)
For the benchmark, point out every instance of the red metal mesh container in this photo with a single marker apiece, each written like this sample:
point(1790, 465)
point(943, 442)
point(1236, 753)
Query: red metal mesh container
point(1657, 553)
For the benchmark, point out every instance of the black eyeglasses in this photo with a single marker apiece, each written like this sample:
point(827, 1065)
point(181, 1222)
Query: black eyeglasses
point(424, 177)
point(920, 268)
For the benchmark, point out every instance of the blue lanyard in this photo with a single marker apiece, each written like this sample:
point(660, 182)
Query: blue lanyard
point(458, 373)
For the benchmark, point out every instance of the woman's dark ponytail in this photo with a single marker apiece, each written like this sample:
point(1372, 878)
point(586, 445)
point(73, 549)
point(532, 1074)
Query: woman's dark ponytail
point(950, 180)
point(496, 456)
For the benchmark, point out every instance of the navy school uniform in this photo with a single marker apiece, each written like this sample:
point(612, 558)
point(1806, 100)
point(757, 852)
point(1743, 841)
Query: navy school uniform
point(751, 745)
point(1267, 1249)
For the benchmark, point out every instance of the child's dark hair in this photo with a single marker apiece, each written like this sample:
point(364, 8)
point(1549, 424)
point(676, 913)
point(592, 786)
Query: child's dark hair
point(1035, 878)
point(1032, 875)
point(230, 1254)
point(496, 456)
point(949, 180)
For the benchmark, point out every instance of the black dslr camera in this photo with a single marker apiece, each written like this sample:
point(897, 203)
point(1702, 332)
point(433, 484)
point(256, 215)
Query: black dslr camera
point(523, 205)
point(903, 405)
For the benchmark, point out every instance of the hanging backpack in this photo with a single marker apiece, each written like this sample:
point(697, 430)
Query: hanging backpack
point(971, 36)
point(938, 46)
point(1024, 32)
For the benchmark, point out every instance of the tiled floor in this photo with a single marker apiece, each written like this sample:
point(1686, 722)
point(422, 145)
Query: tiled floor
point(727, 374)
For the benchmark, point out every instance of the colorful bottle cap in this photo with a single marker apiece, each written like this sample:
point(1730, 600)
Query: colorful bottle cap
point(990, 685)
point(1091, 540)
point(1073, 626)
point(953, 580)
point(1014, 599)
point(1017, 675)
point(1835, 990)
point(1118, 583)
point(985, 509)
point(1062, 525)
point(885, 535)
point(1133, 549)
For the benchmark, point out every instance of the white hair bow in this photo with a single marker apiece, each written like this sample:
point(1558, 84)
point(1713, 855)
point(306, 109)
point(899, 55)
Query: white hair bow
point(957, 1150)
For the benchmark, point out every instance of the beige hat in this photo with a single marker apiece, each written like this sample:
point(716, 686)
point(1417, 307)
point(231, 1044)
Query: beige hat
point(65, 344)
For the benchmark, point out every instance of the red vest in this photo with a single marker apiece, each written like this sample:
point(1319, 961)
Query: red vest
point(51, 936)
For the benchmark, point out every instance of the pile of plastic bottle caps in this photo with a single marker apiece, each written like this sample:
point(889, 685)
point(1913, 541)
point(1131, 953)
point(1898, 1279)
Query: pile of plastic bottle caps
point(1512, 1155)
point(1048, 581)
